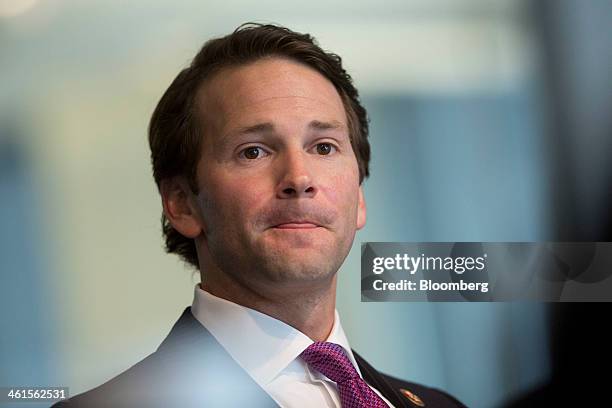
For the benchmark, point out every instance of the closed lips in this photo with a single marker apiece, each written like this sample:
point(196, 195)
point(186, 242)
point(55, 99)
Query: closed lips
point(296, 225)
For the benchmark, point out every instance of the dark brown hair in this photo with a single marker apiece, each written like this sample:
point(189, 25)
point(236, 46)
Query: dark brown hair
point(174, 134)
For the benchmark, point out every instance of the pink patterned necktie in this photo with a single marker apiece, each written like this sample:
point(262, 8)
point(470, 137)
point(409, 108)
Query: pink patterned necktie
point(331, 360)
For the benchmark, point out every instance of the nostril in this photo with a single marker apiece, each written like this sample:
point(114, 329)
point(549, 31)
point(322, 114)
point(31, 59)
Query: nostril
point(291, 191)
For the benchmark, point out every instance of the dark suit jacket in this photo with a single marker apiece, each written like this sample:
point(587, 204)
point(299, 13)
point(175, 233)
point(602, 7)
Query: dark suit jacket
point(191, 369)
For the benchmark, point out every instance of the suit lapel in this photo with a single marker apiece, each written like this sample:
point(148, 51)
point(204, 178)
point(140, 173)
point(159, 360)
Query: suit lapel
point(206, 366)
point(376, 380)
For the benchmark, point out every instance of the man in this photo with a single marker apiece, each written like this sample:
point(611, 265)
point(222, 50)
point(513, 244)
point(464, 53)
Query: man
point(259, 149)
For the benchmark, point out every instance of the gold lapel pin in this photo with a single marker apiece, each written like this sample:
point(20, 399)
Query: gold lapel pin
point(412, 397)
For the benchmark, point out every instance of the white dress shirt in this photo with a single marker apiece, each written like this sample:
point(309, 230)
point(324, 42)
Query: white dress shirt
point(268, 350)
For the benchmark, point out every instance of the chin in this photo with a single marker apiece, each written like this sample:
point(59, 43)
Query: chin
point(298, 269)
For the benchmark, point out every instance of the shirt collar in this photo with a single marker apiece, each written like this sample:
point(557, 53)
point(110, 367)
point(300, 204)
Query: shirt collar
point(272, 345)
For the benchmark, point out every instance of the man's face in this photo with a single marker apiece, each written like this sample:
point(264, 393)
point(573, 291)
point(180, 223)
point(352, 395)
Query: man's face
point(279, 197)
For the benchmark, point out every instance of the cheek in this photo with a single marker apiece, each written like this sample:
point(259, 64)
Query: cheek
point(342, 192)
point(233, 199)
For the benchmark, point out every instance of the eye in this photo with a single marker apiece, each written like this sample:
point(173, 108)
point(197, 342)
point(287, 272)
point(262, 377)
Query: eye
point(252, 153)
point(325, 148)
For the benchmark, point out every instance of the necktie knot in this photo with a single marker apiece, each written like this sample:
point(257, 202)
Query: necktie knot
point(331, 360)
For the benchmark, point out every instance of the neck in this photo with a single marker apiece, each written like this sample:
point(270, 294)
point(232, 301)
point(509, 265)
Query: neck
point(308, 308)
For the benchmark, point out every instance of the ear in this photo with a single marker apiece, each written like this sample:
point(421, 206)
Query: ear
point(180, 207)
point(361, 210)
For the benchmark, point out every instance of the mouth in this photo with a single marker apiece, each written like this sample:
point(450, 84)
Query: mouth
point(296, 226)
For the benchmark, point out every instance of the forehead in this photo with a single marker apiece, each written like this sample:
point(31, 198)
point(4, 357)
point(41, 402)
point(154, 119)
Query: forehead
point(270, 89)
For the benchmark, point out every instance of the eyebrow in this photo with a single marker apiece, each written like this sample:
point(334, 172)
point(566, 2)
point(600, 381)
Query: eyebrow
point(269, 127)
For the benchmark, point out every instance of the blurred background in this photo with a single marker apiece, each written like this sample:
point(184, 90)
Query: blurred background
point(490, 121)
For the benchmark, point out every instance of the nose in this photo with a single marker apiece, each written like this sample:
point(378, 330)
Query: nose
point(296, 177)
